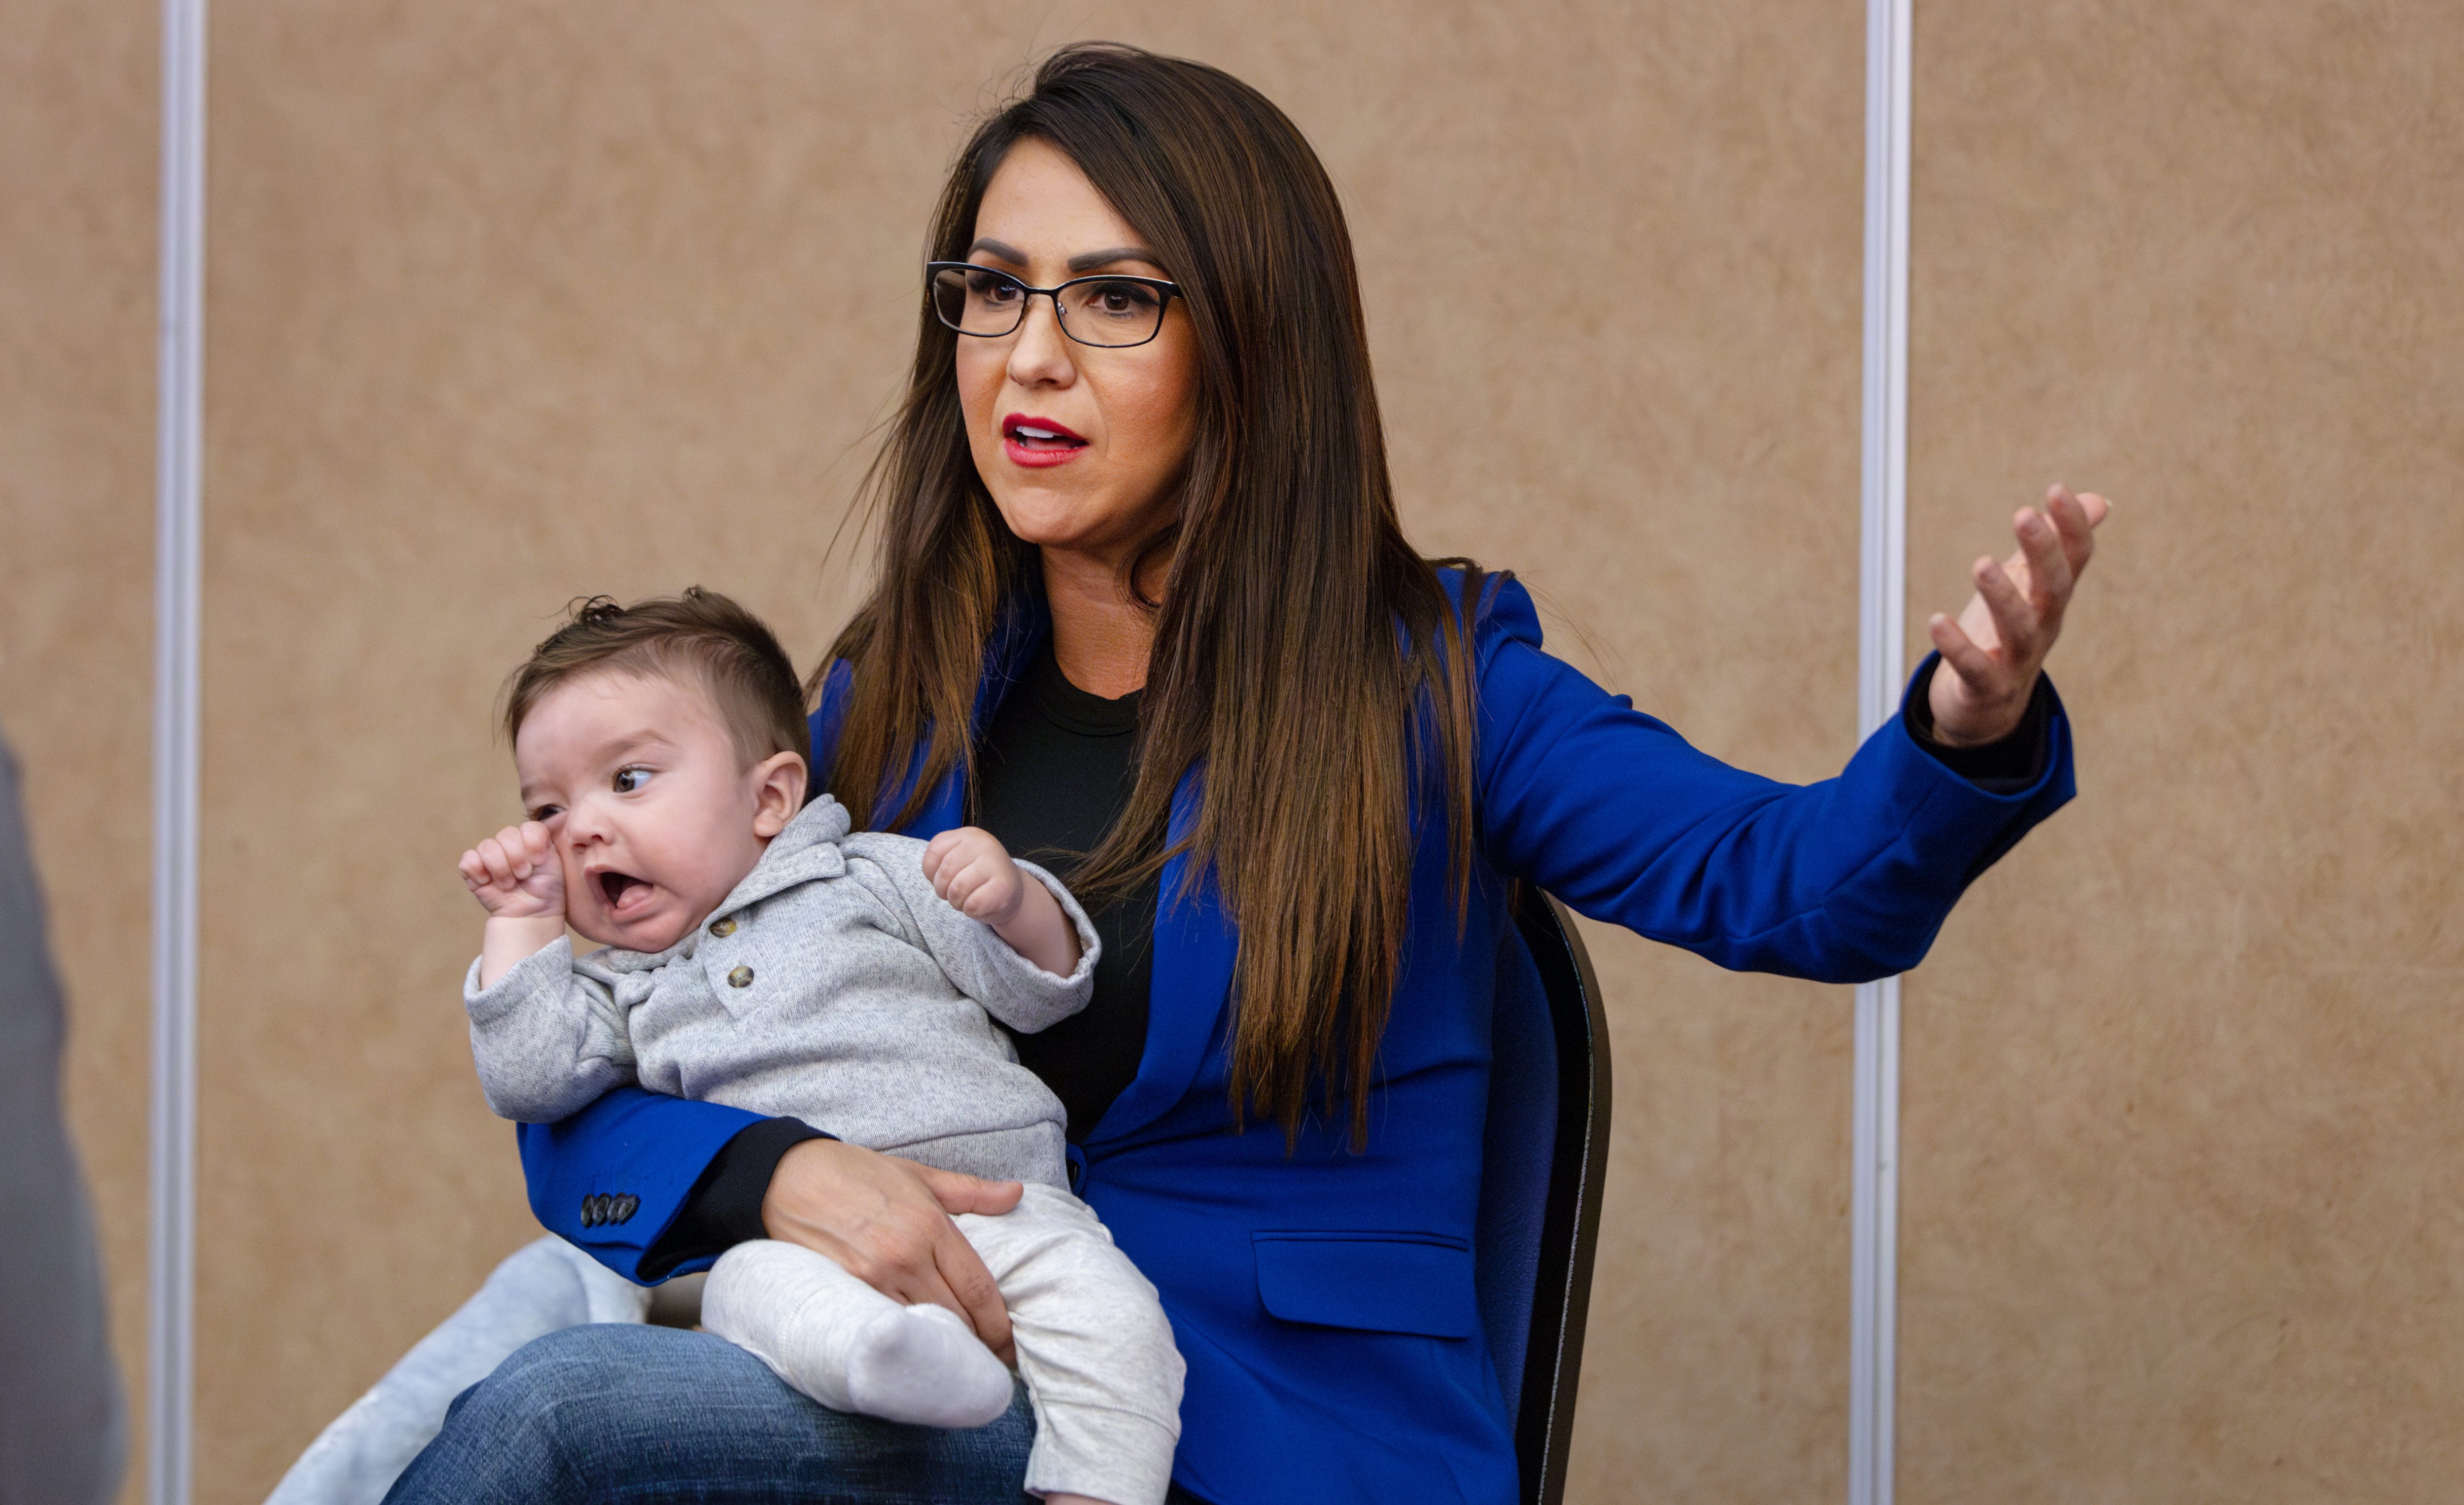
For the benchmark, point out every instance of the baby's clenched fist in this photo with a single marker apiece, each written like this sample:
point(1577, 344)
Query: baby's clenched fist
point(515, 873)
point(972, 873)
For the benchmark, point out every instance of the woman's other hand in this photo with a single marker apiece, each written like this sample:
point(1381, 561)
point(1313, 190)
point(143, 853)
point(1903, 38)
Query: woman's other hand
point(886, 1222)
point(1999, 645)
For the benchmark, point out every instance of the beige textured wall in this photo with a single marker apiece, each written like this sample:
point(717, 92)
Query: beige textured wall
point(79, 117)
point(2183, 1195)
point(508, 303)
point(513, 302)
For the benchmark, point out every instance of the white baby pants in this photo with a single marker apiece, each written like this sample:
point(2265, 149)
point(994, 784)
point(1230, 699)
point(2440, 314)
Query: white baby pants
point(1093, 1342)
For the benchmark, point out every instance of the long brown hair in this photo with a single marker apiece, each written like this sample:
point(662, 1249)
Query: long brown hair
point(1304, 654)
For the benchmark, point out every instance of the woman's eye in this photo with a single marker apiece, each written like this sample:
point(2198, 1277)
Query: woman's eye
point(991, 287)
point(629, 781)
point(1121, 299)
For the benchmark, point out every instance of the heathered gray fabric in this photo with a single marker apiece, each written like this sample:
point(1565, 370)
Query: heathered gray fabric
point(62, 1429)
point(859, 1014)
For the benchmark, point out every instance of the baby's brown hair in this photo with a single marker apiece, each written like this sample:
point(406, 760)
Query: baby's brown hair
point(698, 634)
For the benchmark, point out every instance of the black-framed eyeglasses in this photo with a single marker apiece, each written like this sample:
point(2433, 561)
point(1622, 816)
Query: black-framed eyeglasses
point(1108, 310)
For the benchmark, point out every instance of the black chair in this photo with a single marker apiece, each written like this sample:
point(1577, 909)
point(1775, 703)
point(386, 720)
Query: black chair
point(1544, 1153)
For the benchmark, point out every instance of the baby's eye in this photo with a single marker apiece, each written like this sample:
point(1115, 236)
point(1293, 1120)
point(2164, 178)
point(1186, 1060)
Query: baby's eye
point(629, 781)
point(546, 812)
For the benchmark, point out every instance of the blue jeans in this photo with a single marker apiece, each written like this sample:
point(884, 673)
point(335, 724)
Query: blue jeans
point(615, 1412)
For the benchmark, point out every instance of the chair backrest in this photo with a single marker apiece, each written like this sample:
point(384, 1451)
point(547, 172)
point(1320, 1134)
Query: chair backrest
point(1544, 1153)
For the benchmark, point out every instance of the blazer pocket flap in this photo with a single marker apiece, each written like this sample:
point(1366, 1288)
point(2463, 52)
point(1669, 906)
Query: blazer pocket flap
point(1376, 1282)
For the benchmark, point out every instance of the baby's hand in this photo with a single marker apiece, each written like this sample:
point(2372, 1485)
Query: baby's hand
point(971, 870)
point(514, 873)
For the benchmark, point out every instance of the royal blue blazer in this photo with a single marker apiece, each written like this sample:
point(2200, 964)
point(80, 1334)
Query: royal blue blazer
point(1324, 1299)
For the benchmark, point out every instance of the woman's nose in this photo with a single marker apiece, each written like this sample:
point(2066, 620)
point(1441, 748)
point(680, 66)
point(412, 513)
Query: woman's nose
point(1040, 355)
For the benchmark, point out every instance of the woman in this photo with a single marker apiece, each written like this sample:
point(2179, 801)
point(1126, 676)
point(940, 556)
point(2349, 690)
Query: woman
point(1138, 485)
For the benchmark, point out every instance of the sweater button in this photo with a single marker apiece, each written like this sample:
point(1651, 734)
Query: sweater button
point(742, 977)
point(722, 927)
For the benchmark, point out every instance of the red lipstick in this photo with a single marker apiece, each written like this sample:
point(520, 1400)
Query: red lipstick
point(1039, 443)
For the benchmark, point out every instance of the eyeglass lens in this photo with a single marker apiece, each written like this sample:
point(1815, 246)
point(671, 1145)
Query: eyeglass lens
point(1097, 311)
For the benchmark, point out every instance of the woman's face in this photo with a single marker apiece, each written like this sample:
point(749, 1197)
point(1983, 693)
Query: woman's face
point(1120, 419)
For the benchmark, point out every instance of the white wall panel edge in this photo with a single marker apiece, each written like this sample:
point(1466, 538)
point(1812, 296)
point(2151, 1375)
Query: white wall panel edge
point(1881, 659)
point(172, 1150)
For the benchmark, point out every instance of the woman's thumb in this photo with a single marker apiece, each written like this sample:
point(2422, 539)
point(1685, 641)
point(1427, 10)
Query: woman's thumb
point(958, 1193)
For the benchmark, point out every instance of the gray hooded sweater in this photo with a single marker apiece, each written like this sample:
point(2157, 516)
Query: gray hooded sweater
point(832, 985)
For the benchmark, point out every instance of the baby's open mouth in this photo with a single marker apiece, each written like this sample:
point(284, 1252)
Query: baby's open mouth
point(616, 885)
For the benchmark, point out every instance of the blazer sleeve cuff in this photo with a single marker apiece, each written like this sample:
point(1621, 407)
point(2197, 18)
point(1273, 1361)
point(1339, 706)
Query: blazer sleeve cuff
point(614, 1177)
point(724, 1207)
point(2006, 766)
point(1985, 814)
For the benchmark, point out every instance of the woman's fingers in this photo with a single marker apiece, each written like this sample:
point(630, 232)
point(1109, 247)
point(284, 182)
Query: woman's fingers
point(885, 1221)
point(978, 1296)
point(2001, 637)
point(1966, 659)
point(2015, 619)
point(2049, 564)
point(961, 1269)
point(958, 1193)
point(2074, 518)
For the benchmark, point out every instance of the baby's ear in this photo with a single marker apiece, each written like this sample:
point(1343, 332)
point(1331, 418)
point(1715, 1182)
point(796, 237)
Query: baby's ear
point(779, 792)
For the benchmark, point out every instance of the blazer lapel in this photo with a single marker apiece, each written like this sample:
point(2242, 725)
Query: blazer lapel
point(1195, 947)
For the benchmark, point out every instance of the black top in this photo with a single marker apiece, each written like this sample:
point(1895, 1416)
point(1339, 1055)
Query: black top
point(1053, 772)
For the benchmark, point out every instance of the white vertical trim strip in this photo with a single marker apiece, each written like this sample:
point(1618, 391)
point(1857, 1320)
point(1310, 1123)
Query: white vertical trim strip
point(172, 1247)
point(1881, 659)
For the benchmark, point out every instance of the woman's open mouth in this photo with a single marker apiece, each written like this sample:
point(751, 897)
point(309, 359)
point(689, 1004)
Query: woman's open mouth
point(1039, 441)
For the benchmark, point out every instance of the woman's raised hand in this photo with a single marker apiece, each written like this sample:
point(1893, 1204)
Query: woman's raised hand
point(886, 1220)
point(1997, 646)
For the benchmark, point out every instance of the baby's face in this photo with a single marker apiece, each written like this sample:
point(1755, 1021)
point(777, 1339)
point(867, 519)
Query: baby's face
point(655, 819)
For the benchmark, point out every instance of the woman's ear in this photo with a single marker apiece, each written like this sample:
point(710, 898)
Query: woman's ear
point(778, 792)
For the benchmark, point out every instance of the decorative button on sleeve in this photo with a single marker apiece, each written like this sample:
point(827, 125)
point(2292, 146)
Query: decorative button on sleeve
point(608, 1207)
point(742, 977)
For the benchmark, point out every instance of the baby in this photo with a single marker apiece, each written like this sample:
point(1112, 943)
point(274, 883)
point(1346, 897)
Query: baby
point(758, 954)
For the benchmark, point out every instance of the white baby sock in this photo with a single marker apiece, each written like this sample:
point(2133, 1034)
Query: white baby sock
point(849, 1346)
point(924, 1364)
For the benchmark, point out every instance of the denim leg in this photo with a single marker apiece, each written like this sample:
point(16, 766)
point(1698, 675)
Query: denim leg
point(540, 1287)
point(654, 1415)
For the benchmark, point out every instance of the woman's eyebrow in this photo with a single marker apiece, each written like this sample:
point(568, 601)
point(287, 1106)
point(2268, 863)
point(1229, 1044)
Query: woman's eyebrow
point(1089, 260)
point(1083, 262)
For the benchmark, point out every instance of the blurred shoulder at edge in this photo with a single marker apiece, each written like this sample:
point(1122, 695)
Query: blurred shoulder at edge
point(63, 1428)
